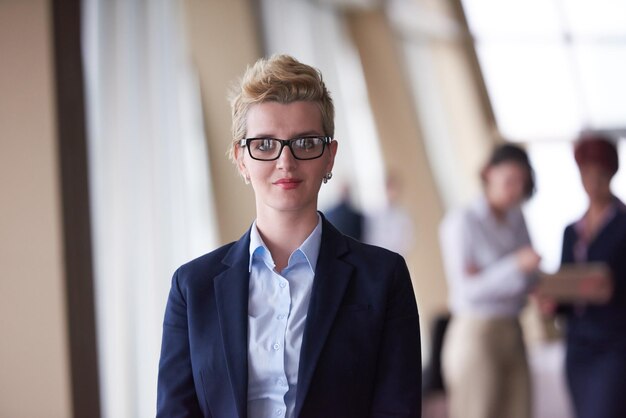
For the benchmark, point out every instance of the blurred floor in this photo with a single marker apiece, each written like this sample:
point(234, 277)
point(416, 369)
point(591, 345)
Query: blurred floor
point(550, 397)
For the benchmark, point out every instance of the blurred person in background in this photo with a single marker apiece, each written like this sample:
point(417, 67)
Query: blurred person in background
point(596, 334)
point(294, 319)
point(391, 226)
point(490, 267)
point(345, 217)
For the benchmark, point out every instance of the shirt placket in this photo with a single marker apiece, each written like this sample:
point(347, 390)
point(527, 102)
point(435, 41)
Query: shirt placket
point(278, 347)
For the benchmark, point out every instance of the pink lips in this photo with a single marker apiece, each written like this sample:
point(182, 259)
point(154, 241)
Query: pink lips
point(288, 183)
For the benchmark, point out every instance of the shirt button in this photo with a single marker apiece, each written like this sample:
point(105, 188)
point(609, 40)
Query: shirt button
point(283, 284)
point(280, 317)
point(278, 412)
point(276, 346)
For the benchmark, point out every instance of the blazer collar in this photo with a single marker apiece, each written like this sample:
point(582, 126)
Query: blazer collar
point(332, 275)
point(231, 296)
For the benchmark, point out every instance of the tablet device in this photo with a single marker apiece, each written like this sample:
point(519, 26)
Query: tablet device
point(581, 282)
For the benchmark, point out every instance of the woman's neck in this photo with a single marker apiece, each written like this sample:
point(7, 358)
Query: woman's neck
point(596, 213)
point(599, 205)
point(283, 233)
point(498, 212)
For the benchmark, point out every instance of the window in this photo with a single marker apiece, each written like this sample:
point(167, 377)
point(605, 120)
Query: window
point(553, 68)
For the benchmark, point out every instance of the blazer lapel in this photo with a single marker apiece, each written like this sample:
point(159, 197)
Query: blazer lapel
point(231, 295)
point(331, 280)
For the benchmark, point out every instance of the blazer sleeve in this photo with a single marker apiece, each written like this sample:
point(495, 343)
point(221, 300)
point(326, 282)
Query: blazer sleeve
point(619, 275)
point(176, 393)
point(567, 249)
point(398, 384)
point(567, 257)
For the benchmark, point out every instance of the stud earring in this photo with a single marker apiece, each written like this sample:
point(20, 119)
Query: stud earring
point(327, 177)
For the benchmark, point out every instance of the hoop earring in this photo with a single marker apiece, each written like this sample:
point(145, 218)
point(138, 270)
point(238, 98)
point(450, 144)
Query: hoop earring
point(327, 177)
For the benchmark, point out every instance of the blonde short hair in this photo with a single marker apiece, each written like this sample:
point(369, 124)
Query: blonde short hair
point(281, 79)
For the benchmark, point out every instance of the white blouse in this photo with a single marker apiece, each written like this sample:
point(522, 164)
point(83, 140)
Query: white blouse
point(478, 251)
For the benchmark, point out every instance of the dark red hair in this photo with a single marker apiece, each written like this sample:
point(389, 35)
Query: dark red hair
point(597, 149)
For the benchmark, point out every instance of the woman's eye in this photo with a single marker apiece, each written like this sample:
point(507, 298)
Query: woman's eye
point(265, 145)
point(306, 143)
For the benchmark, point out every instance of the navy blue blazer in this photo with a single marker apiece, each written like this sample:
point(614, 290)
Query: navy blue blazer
point(595, 360)
point(360, 354)
point(601, 324)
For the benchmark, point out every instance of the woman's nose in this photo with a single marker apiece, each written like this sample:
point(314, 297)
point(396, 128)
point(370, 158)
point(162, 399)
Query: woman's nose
point(286, 159)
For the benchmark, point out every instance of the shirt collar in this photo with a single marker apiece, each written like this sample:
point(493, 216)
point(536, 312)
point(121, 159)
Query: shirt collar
point(610, 213)
point(310, 248)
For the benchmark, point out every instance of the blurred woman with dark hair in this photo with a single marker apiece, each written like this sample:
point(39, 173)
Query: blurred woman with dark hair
point(596, 334)
point(489, 266)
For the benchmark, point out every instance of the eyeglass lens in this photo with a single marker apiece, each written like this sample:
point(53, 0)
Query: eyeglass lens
point(301, 148)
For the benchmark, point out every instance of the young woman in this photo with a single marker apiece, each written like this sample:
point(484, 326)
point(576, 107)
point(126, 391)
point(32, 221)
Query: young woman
point(489, 264)
point(596, 334)
point(294, 319)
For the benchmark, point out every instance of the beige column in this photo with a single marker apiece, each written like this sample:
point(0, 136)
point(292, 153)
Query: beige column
point(473, 123)
point(403, 151)
point(223, 42)
point(34, 364)
point(472, 137)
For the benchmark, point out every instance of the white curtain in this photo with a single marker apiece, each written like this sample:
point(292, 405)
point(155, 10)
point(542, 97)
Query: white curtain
point(315, 33)
point(149, 180)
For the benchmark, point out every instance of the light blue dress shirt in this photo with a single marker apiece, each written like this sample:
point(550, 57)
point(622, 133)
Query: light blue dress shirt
point(277, 308)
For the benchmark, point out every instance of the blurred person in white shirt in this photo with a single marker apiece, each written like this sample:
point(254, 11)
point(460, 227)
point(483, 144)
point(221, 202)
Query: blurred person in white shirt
point(391, 226)
point(490, 266)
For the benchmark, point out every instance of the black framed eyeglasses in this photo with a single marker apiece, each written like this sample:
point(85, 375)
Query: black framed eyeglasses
point(269, 149)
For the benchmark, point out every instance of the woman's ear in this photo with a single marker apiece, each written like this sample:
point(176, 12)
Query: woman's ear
point(332, 147)
point(241, 165)
point(484, 174)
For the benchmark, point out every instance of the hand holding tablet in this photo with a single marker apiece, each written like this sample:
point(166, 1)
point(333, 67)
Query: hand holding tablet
point(589, 283)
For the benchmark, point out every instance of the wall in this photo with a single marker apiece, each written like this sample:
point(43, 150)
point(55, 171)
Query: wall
point(34, 366)
point(403, 151)
point(435, 135)
point(223, 40)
